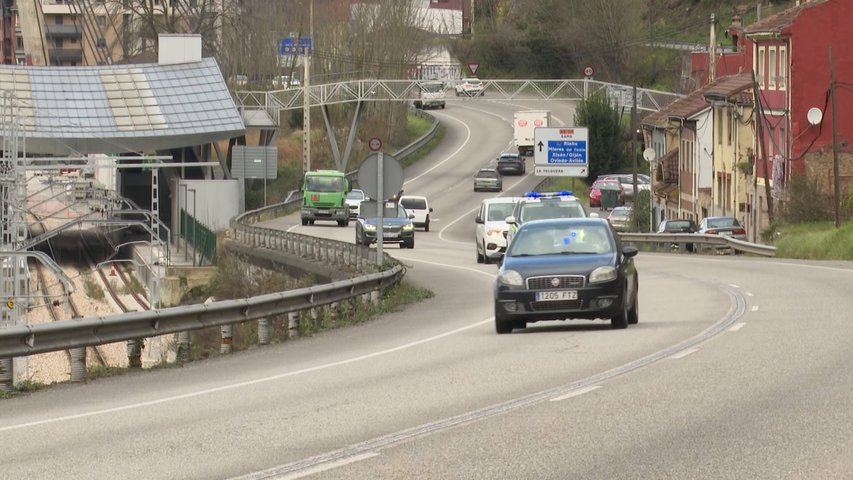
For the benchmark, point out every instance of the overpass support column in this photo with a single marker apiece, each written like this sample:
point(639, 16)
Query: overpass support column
point(341, 162)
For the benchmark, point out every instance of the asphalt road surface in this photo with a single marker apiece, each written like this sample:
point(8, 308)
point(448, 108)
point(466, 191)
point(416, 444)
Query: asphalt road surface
point(739, 368)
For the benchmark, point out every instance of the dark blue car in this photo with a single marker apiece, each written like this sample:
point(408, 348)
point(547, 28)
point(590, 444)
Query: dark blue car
point(566, 268)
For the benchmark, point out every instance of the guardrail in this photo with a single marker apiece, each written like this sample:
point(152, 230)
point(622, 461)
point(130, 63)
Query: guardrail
point(694, 243)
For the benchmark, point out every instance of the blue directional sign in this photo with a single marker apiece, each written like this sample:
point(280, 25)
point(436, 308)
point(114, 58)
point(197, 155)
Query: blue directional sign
point(292, 46)
point(561, 151)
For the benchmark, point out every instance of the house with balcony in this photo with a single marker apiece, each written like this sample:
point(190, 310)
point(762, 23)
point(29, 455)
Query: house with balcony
point(791, 60)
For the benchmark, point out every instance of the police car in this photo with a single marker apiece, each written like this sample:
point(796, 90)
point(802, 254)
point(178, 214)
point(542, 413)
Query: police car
point(542, 206)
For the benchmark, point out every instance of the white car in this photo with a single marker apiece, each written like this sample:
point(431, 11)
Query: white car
point(469, 87)
point(353, 200)
point(419, 207)
point(491, 232)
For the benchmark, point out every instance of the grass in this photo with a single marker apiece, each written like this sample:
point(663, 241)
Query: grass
point(134, 287)
point(423, 151)
point(93, 290)
point(25, 386)
point(815, 241)
point(575, 185)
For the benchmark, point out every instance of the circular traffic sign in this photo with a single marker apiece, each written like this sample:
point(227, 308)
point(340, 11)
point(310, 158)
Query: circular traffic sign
point(375, 144)
point(588, 71)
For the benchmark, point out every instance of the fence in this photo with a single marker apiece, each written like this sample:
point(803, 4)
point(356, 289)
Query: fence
point(201, 238)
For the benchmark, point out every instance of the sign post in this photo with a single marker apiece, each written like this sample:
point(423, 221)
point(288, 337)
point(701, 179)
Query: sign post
point(561, 152)
point(379, 174)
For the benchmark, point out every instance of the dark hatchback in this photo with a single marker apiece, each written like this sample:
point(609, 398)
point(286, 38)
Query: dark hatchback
point(510, 164)
point(567, 268)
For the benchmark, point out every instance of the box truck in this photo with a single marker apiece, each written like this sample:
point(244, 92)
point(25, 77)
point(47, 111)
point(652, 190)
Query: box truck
point(524, 123)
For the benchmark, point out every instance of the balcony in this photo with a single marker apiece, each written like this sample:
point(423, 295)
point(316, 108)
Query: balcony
point(63, 31)
point(66, 54)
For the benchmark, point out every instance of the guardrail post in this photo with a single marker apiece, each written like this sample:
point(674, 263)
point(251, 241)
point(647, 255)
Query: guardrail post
point(134, 353)
point(293, 325)
point(227, 338)
point(6, 383)
point(263, 331)
point(183, 351)
point(78, 364)
point(374, 297)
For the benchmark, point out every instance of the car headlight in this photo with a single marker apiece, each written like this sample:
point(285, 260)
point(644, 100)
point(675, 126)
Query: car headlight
point(510, 277)
point(407, 227)
point(369, 227)
point(496, 232)
point(602, 274)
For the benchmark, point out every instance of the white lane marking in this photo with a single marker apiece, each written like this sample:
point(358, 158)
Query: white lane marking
point(447, 265)
point(733, 285)
point(576, 393)
point(737, 326)
point(749, 294)
point(247, 383)
point(464, 143)
point(684, 353)
point(322, 468)
point(755, 308)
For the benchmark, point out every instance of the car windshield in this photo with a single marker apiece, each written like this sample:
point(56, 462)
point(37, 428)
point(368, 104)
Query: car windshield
point(355, 195)
point(499, 211)
point(487, 174)
point(542, 211)
point(561, 240)
point(314, 183)
point(723, 222)
point(414, 203)
point(432, 87)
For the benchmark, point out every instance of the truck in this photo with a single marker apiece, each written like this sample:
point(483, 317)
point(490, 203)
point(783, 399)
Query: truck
point(524, 123)
point(324, 197)
point(431, 95)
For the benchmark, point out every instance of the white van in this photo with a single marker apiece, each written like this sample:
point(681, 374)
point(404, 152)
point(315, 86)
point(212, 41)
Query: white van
point(419, 207)
point(432, 95)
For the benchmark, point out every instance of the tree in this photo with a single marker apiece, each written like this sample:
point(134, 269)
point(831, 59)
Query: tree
point(605, 134)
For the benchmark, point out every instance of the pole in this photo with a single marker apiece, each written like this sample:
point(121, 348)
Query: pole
point(712, 51)
point(306, 93)
point(183, 223)
point(636, 212)
point(759, 125)
point(837, 187)
point(195, 242)
point(380, 206)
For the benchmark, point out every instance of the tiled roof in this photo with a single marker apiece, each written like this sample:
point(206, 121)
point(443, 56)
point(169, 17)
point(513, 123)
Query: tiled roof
point(695, 102)
point(730, 85)
point(121, 108)
point(778, 22)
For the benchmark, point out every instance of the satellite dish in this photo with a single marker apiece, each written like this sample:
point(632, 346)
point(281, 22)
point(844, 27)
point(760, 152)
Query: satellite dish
point(649, 154)
point(814, 116)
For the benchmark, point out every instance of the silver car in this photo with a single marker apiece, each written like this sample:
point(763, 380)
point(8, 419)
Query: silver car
point(488, 179)
point(620, 219)
point(728, 226)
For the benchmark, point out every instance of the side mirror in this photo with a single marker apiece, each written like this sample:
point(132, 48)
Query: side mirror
point(411, 216)
point(479, 220)
point(629, 251)
point(430, 209)
point(510, 220)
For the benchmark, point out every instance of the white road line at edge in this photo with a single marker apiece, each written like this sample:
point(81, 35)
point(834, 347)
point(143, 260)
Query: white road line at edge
point(684, 353)
point(755, 308)
point(733, 285)
point(576, 393)
point(329, 466)
point(249, 382)
point(737, 326)
point(750, 294)
point(467, 138)
point(446, 265)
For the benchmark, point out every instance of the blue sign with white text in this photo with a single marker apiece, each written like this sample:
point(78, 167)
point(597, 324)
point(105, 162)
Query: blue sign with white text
point(571, 152)
point(292, 46)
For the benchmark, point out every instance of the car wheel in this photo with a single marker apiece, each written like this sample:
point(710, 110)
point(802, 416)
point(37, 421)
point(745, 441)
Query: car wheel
point(310, 222)
point(519, 324)
point(426, 225)
point(620, 320)
point(503, 325)
point(304, 221)
point(634, 312)
point(409, 244)
point(481, 257)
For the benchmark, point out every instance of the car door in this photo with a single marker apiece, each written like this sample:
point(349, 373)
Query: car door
point(480, 233)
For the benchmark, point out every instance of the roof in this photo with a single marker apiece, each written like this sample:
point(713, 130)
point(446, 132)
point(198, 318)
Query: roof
point(121, 108)
point(776, 23)
point(694, 103)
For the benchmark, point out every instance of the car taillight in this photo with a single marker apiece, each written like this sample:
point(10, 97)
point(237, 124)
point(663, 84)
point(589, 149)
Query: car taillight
point(711, 232)
point(740, 231)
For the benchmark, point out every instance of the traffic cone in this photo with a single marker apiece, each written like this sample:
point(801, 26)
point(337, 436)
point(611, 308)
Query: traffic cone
point(112, 269)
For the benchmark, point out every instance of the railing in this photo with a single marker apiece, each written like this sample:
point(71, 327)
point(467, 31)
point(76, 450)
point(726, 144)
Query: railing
point(694, 243)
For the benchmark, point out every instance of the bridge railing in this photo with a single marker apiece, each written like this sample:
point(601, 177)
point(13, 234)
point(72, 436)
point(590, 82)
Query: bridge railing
point(694, 243)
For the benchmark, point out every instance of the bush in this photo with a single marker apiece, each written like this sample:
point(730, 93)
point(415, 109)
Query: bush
point(805, 202)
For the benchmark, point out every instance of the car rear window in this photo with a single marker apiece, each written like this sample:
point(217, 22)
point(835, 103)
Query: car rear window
point(414, 203)
point(508, 158)
point(677, 224)
point(487, 174)
point(723, 222)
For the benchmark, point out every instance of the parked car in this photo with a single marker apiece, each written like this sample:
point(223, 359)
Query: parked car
point(627, 182)
point(620, 219)
point(419, 207)
point(563, 269)
point(397, 227)
point(543, 205)
point(353, 200)
point(469, 87)
point(727, 226)
point(679, 226)
point(488, 179)
point(605, 184)
point(510, 164)
point(490, 236)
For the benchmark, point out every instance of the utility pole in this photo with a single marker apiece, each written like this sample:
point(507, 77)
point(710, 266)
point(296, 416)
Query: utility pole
point(759, 126)
point(712, 51)
point(306, 93)
point(636, 210)
point(837, 187)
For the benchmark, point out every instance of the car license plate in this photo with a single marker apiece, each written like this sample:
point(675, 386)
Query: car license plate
point(727, 234)
point(322, 211)
point(388, 234)
point(557, 295)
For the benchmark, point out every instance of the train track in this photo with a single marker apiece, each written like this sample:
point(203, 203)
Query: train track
point(112, 288)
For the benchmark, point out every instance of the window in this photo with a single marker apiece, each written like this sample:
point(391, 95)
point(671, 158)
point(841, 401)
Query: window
point(760, 67)
point(58, 43)
point(730, 118)
point(782, 80)
point(771, 68)
point(718, 119)
point(58, 19)
point(101, 20)
point(102, 43)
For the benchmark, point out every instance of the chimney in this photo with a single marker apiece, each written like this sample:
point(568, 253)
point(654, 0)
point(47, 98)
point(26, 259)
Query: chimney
point(735, 32)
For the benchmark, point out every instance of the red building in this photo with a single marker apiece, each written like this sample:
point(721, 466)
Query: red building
point(791, 60)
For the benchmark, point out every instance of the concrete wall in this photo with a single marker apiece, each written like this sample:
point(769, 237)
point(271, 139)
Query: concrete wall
point(216, 202)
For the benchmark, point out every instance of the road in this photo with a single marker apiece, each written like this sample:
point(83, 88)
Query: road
point(739, 368)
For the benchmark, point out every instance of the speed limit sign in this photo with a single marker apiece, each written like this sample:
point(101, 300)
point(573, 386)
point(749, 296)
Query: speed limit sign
point(588, 71)
point(375, 144)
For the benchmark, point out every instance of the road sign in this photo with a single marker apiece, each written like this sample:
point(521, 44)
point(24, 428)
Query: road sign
point(392, 175)
point(375, 144)
point(563, 150)
point(473, 67)
point(588, 71)
point(291, 46)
